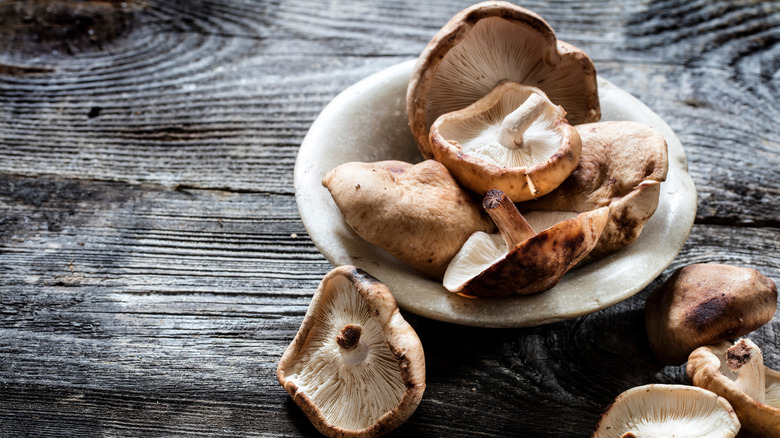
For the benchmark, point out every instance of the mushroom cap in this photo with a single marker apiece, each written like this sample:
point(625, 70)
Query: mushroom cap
point(418, 213)
point(622, 165)
point(659, 410)
point(486, 44)
point(364, 392)
point(707, 369)
point(702, 304)
point(468, 143)
point(484, 267)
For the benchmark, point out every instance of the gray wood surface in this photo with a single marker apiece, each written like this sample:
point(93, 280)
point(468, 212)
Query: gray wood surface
point(153, 265)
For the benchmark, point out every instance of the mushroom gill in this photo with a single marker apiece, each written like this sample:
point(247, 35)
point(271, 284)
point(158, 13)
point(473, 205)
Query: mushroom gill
point(366, 388)
point(356, 367)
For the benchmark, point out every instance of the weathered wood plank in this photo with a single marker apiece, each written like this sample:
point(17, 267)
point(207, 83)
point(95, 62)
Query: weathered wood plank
point(153, 266)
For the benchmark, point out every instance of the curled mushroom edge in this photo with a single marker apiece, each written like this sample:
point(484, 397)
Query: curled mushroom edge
point(736, 372)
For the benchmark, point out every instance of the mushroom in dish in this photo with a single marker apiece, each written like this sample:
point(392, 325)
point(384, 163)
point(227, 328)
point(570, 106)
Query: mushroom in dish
point(418, 213)
point(490, 43)
point(520, 260)
point(514, 139)
point(621, 166)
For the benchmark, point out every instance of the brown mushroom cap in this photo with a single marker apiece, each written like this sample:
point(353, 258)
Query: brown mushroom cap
point(523, 263)
point(513, 139)
point(659, 410)
point(707, 368)
point(418, 213)
point(702, 304)
point(489, 43)
point(356, 368)
point(622, 165)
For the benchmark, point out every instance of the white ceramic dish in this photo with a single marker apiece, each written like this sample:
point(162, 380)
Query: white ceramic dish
point(367, 122)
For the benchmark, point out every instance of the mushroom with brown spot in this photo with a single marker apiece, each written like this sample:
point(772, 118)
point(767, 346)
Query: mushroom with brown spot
point(520, 260)
point(622, 166)
point(660, 410)
point(418, 213)
point(737, 373)
point(703, 304)
point(489, 43)
point(514, 139)
point(356, 368)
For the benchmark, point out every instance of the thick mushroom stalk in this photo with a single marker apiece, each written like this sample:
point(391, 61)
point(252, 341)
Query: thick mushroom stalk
point(517, 122)
point(736, 373)
point(352, 350)
point(512, 225)
point(745, 359)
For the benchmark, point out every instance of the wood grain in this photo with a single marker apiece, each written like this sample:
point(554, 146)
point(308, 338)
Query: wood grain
point(153, 265)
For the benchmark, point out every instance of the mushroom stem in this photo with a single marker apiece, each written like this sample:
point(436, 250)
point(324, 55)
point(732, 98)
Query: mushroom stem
point(349, 336)
point(745, 359)
point(512, 225)
point(631, 434)
point(518, 121)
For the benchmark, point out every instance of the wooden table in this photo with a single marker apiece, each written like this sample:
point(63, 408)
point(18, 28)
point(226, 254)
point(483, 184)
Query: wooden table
point(153, 265)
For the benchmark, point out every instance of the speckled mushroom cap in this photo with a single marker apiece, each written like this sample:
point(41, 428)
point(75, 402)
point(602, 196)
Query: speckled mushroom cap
point(416, 212)
point(520, 261)
point(622, 165)
point(489, 43)
point(356, 368)
point(705, 303)
point(708, 367)
point(659, 410)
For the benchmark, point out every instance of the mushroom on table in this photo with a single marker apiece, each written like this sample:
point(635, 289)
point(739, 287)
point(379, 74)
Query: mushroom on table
point(702, 304)
point(356, 367)
point(737, 373)
point(659, 410)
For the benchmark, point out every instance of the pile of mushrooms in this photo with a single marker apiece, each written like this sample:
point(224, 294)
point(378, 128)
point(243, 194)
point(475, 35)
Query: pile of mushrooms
point(497, 103)
point(520, 182)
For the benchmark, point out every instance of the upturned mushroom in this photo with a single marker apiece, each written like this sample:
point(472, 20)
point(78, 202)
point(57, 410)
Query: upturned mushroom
point(703, 304)
point(737, 373)
point(490, 43)
point(621, 166)
point(520, 260)
point(659, 410)
point(418, 213)
point(514, 139)
point(356, 368)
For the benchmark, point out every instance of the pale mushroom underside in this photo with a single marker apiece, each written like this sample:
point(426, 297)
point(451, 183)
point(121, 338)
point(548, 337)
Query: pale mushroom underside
point(481, 61)
point(350, 395)
point(668, 410)
point(479, 134)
